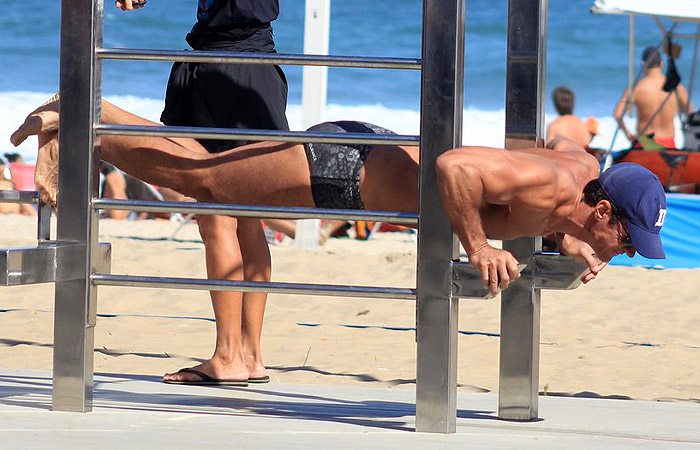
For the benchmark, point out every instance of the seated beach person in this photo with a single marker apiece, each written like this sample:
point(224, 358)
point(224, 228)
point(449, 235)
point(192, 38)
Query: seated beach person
point(567, 124)
point(14, 158)
point(7, 184)
point(655, 107)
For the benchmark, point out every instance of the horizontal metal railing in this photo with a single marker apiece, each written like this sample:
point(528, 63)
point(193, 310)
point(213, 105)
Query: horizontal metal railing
point(331, 290)
point(12, 196)
point(271, 212)
point(257, 135)
point(208, 56)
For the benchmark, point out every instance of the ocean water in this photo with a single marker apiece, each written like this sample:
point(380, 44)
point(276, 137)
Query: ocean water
point(587, 52)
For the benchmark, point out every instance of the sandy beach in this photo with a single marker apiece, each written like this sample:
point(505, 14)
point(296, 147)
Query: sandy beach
point(631, 333)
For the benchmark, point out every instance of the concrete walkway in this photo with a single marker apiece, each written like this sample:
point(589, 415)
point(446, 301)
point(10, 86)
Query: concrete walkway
point(134, 412)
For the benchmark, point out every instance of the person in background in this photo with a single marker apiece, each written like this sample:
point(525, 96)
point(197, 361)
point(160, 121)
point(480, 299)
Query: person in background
point(567, 124)
point(230, 96)
point(14, 158)
point(6, 184)
point(648, 97)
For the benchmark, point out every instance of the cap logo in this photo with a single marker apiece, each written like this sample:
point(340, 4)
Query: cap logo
point(662, 217)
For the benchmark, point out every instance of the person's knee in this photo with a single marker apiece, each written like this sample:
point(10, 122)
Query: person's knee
point(215, 229)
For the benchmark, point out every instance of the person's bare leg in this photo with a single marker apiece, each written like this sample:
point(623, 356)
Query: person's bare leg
point(328, 229)
point(257, 267)
point(285, 226)
point(239, 317)
point(224, 262)
point(115, 187)
point(266, 173)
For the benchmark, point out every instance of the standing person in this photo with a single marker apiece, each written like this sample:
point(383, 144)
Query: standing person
point(230, 96)
point(648, 97)
point(567, 124)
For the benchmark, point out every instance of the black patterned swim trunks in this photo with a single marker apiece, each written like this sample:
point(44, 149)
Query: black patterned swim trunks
point(335, 168)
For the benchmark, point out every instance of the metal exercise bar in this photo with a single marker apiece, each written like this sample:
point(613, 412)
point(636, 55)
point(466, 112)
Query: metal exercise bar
point(32, 265)
point(12, 196)
point(255, 211)
point(74, 316)
point(207, 56)
point(437, 310)
point(520, 303)
point(548, 271)
point(256, 135)
point(32, 198)
point(252, 286)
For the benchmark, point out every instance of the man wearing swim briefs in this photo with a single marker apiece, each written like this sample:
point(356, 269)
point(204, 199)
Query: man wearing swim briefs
point(487, 193)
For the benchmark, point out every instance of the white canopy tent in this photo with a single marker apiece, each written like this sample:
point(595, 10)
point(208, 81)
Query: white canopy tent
point(677, 10)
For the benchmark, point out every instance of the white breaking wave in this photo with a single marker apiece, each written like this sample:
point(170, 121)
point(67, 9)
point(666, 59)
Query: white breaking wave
point(480, 127)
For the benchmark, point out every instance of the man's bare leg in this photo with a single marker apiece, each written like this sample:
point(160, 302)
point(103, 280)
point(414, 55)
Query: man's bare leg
point(257, 267)
point(230, 242)
point(224, 261)
point(265, 173)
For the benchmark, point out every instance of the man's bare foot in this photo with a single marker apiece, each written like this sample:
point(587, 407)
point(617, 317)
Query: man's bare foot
point(256, 371)
point(43, 122)
point(212, 368)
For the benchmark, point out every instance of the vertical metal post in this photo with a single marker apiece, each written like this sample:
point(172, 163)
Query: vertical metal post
point(43, 232)
point(441, 129)
point(74, 317)
point(520, 303)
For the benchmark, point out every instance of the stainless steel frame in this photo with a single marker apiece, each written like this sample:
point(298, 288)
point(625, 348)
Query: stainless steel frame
point(329, 290)
point(520, 303)
point(286, 212)
point(12, 196)
point(81, 53)
point(256, 135)
point(74, 318)
point(78, 265)
point(33, 265)
point(203, 56)
point(441, 129)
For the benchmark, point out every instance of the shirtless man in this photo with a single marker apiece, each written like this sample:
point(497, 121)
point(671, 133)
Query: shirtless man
point(487, 193)
point(567, 124)
point(647, 97)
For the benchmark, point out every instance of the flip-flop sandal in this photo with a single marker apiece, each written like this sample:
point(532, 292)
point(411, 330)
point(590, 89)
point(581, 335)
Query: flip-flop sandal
point(206, 380)
point(259, 380)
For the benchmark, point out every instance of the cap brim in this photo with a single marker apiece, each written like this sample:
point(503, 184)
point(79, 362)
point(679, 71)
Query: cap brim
point(646, 243)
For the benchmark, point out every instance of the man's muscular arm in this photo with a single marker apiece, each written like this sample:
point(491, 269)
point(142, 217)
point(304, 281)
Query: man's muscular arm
point(464, 190)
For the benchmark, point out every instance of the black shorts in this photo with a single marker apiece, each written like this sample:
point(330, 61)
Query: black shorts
point(335, 168)
point(226, 96)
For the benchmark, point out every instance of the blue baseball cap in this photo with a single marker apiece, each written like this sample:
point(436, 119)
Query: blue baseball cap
point(639, 196)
